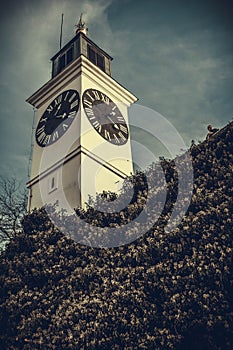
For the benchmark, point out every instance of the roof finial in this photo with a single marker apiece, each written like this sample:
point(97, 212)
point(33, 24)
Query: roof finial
point(81, 26)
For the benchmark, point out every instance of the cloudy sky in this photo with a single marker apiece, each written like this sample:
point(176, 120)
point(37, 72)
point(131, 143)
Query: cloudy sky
point(174, 55)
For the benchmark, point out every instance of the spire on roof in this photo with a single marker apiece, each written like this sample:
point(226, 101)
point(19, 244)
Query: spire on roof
point(81, 26)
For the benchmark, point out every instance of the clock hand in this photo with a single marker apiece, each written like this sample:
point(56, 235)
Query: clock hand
point(114, 124)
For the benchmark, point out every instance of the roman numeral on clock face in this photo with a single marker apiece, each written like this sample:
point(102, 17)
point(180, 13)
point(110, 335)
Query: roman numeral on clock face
point(74, 104)
point(66, 95)
point(72, 114)
point(121, 136)
point(105, 98)
point(90, 96)
point(42, 120)
point(96, 95)
point(55, 135)
point(50, 108)
point(96, 124)
point(87, 103)
point(120, 118)
point(41, 137)
point(47, 139)
point(123, 129)
point(72, 97)
point(44, 139)
point(58, 100)
point(40, 130)
point(107, 134)
point(116, 138)
point(89, 111)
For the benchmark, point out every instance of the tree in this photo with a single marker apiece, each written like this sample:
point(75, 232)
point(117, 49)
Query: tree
point(13, 206)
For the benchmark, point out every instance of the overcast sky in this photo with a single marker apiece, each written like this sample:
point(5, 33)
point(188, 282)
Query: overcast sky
point(174, 55)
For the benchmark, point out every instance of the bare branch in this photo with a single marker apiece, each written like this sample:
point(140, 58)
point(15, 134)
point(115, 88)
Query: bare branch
point(13, 205)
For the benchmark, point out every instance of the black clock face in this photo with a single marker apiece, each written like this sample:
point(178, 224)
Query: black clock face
point(105, 117)
point(57, 118)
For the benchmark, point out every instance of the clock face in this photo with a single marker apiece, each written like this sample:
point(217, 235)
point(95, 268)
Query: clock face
point(105, 117)
point(57, 118)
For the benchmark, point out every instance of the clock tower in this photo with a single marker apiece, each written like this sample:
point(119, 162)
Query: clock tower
point(82, 137)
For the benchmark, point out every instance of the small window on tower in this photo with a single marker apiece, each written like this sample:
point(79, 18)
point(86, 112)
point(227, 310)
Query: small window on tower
point(62, 62)
point(70, 54)
point(91, 55)
point(95, 57)
point(52, 183)
point(100, 61)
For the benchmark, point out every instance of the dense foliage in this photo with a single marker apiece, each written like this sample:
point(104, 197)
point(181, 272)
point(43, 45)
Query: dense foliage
point(163, 291)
